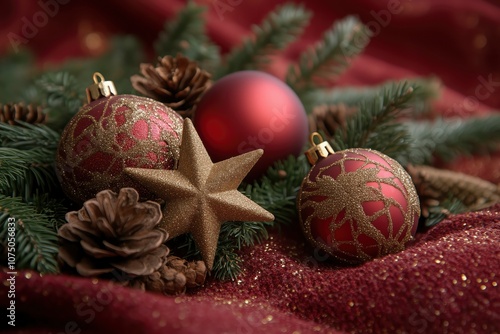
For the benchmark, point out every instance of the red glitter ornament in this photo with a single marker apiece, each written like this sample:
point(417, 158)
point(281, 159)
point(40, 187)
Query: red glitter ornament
point(249, 110)
point(357, 204)
point(110, 133)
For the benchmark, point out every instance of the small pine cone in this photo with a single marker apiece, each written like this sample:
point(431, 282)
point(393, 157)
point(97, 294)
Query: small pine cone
point(176, 275)
point(174, 282)
point(327, 119)
point(177, 82)
point(196, 272)
point(166, 280)
point(436, 185)
point(10, 113)
point(114, 232)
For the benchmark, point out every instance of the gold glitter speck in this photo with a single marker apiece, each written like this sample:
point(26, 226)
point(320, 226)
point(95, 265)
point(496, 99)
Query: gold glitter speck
point(27, 275)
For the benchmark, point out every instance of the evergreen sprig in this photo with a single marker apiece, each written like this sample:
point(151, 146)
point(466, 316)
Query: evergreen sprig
point(36, 240)
point(186, 34)
point(451, 205)
point(28, 136)
point(277, 190)
point(374, 125)
point(281, 27)
point(227, 262)
point(448, 139)
point(26, 173)
point(63, 95)
point(321, 65)
point(428, 90)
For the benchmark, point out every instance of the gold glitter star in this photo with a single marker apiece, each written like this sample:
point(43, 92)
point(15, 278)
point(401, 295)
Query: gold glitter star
point(201, 195)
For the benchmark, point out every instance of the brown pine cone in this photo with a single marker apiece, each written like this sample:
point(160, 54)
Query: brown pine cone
point(436, 185)
point(177, 82)
point(327, 119)
point(175, 276)
point(114, 232)
point(10, 113)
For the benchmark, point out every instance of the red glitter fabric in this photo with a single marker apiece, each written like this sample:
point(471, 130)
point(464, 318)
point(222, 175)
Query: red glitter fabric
point(445, 282)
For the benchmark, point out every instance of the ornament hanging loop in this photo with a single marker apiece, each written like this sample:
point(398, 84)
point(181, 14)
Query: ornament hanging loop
point(319, 149)
point(98, 76)
point(101, 88)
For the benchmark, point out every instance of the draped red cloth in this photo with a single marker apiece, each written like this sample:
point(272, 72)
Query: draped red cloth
point(445, 282)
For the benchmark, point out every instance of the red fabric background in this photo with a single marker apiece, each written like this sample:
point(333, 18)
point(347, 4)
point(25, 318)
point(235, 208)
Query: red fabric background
point(446, 282)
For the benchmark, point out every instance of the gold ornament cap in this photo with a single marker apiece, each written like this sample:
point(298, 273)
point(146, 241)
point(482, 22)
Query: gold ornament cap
point(322, 149)
point(100, 88)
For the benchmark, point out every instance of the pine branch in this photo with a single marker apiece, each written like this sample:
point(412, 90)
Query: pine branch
point(448, 139)
point(63, 96)
point(374, 127)
point(321, 65)
point(53, 207)
point(186, 34)
point(244, 233)
point(277, 190)
point(428, 89)
point(26, 172)
point(36, 241)
point(281, 27)
point(441, 211)
point(227, 263)
point(28, 136)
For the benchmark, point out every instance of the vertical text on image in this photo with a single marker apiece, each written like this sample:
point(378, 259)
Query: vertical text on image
point(11, 265)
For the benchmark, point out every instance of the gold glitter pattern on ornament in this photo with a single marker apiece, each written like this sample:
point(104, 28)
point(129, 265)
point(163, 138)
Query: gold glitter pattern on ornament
point(340, 201)
point(110, 134)
point(201, 195)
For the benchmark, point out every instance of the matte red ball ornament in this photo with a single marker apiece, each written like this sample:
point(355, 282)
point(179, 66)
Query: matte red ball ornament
point(110, 133)
point(248, 110)
point(357, 204)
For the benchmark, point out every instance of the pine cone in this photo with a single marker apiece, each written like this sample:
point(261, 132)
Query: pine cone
point(436, 185)
point(175, 276)
point(114, 232)
point(10, 113)
point(177, 82)
point(327, 119)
